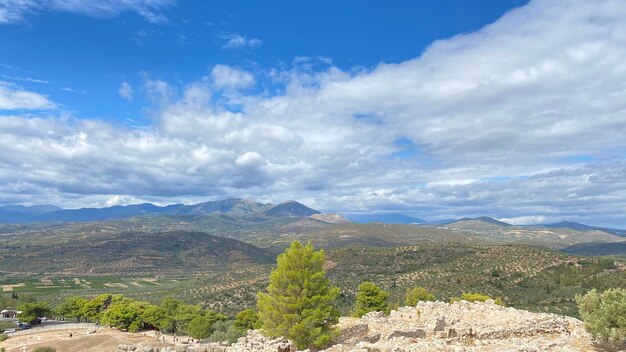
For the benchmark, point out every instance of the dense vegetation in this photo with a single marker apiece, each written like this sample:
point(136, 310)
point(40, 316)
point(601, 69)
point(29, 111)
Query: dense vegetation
point(124, 313)
point(524, 277)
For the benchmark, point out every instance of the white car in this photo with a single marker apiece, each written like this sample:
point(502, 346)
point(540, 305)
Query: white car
point(9, 331)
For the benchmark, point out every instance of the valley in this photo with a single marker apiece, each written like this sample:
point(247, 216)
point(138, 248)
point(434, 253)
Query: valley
point(223, 256)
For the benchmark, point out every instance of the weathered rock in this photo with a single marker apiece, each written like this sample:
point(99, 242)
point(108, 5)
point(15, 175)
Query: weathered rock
point(254, 342)
point(417, 333)
point(439, 326)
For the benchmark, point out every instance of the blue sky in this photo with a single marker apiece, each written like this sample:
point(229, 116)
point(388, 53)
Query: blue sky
point(437, 109)
point(83, 58)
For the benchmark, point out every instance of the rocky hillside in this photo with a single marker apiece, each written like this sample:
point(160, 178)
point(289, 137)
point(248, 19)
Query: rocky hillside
point(439, 326)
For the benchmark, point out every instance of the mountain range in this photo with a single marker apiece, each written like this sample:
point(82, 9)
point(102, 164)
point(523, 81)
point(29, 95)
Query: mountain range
point(232, 206)
point(257, 211)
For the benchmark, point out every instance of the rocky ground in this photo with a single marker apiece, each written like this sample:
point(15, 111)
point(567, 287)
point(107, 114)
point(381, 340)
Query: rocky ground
point(439, 326)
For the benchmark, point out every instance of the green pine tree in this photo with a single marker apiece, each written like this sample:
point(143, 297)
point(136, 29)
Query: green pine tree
point(299, 303)
point(370, 298)
point(416, 294)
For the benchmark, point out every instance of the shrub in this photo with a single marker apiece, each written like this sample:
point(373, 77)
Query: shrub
point(3, 337)
point(299, 303)
point(246, 320)
point(416, 294)
point(604, 314)
point(44, 349)
point(370, 298)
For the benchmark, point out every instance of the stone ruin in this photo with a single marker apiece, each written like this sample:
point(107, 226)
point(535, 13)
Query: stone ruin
point(434, 326)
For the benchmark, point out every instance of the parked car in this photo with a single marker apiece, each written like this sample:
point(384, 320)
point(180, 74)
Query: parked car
point(7, 331)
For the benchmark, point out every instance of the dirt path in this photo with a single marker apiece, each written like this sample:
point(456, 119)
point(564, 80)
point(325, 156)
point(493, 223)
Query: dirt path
point(104, 340)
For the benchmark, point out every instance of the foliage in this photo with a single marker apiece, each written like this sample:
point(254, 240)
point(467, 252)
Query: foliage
point(93, 309)
point(71, 307)
point(370, 298)
point(225, 330)
point(125, 314)
point(299, 303)
point(416, 294)
point(3, 337)
point(44, 349)
point(246, 320)
point(604, 314)
point(32, 311)
point(476, 297)
point(200, 327)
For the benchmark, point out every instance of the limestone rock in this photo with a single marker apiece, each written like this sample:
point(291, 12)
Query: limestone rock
point(438, 326)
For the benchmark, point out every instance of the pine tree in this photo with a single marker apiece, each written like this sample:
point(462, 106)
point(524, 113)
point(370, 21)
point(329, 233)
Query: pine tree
point(299, 303)
point(370, 298)
point(416, 294)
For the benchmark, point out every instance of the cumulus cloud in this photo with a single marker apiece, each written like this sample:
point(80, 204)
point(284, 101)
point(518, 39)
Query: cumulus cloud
point(233, 41)
point(16, 10)
point(14, 98)
point(225, 76)
point(126, 91)
point(493, 123)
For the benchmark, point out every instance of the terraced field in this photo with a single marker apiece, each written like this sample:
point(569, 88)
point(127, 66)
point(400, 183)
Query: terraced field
point(525, 277)
point(56, 288)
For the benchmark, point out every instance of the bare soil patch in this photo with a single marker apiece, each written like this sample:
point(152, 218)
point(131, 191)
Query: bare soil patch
point(100, 341)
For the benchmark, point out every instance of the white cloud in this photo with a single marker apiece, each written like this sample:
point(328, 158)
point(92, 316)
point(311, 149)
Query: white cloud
point(14, 98)
point(120, 200)
point(16, 10)
point(494, 121)
point(26, 79)
point(234, 41)
point(528, 220)
point(72, 90)
point(225, 76)
point(126, 91)
point(158, 91)
point(249, 159)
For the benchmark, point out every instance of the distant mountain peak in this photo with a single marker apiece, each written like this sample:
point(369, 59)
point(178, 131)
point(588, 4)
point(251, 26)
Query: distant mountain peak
point(493, 221)
point(231, 206)
point(291, 208)
point(483, 219)
point(330, 218)
point(30, 210)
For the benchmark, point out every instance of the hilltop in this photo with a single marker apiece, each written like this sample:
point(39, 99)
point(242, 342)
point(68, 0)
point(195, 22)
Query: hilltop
point(439, 326)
